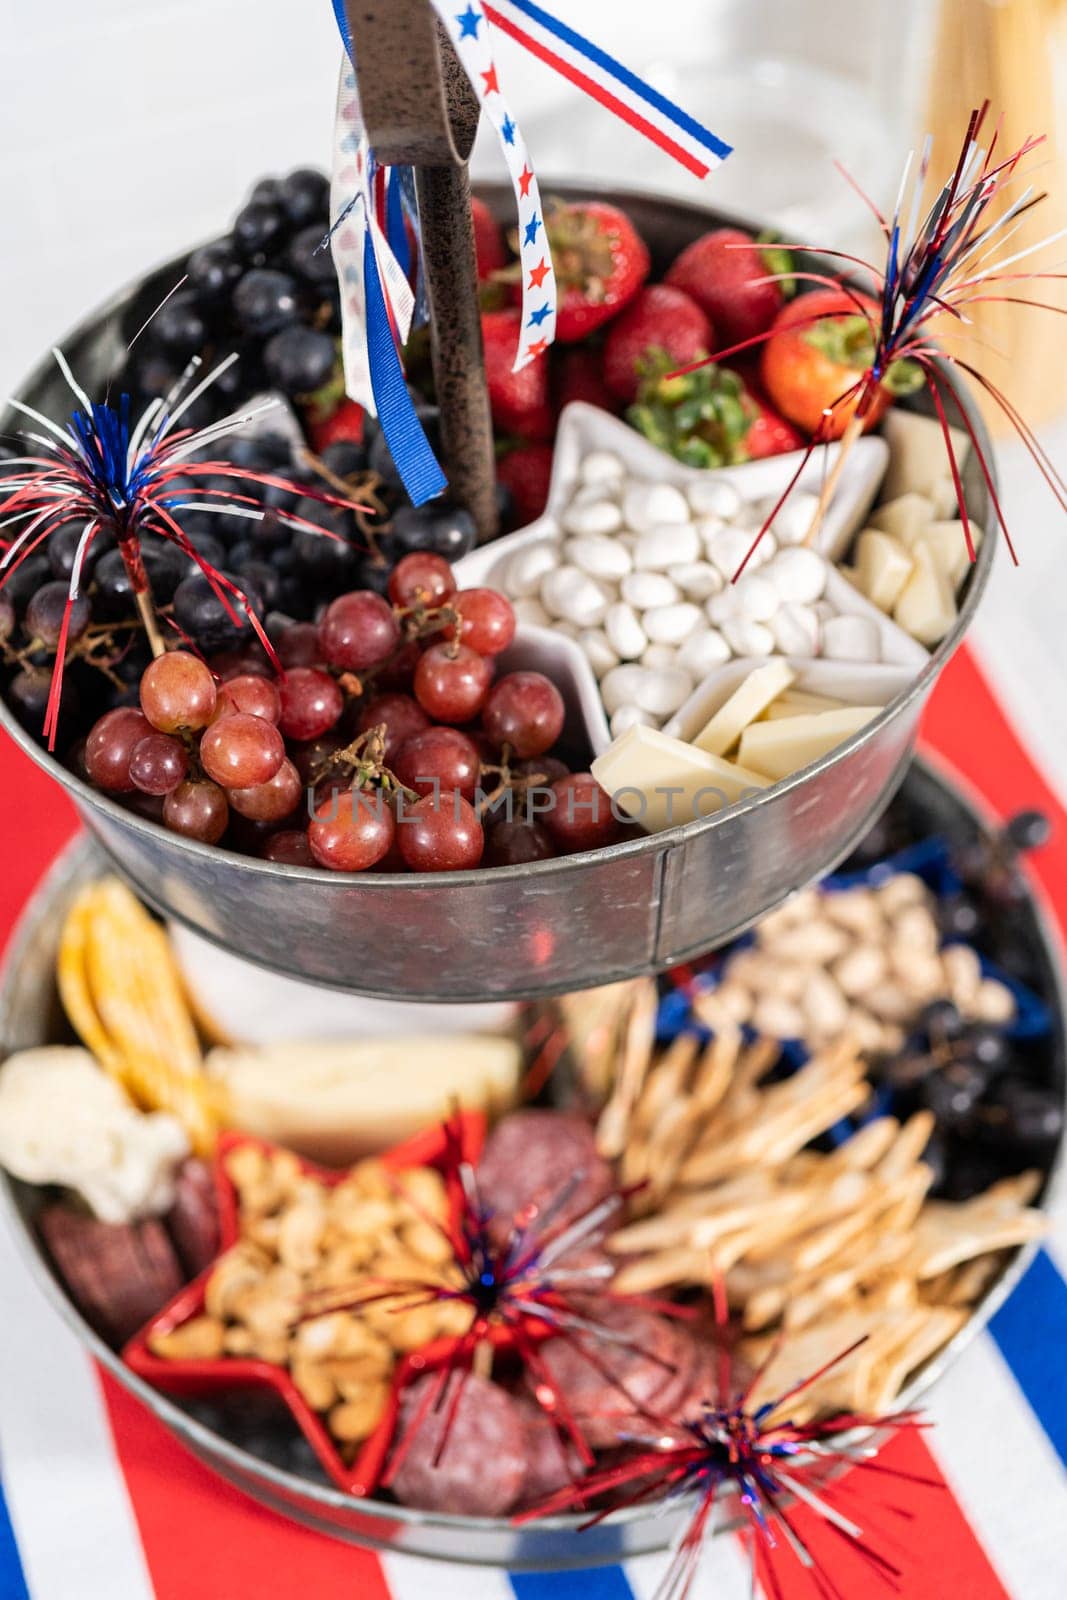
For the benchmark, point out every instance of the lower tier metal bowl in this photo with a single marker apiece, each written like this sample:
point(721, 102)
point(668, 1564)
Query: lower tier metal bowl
point(513, 932)
point(259, 1453)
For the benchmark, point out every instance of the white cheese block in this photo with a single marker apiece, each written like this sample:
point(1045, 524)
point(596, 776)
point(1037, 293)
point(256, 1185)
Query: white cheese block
point(661, 782)
point(947, 544)
point(905, 518)
point(883, 567)
point(918, 460)
point(927, 605)
point(799, 702)
point(337, 1102)
point(749, 701)
point(780, 748)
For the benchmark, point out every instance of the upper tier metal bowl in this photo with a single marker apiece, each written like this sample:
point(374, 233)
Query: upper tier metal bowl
point(520, 931)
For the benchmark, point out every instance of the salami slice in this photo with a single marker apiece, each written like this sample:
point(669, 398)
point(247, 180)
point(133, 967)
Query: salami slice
point(482, 1466)
point(118, 1275)
point(552, 1460)
point(610, 1384)
point(543, 1158)
point(193, 1219)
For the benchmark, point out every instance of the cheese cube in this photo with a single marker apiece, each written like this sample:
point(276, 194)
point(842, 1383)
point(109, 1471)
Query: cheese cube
point(918, 460)
point(662, 782)
point(780, 748)
point(948, 546)
point(764, 684)
point(927, 606)
point(883, 567)
point(797, 702)
point(905, 518)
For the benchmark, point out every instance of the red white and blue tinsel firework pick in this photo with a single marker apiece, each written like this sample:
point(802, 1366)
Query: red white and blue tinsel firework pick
point(540, 1276)
point(468, 29)
point(753, 1460)
point(130, 479)
point(612, 85)
point(938, 264)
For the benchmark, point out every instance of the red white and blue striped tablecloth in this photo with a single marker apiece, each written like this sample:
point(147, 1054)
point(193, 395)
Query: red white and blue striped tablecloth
point(100, 1504)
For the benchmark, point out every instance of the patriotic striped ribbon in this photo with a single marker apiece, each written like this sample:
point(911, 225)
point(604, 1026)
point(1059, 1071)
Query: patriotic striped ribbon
point(470, 35)
point(611, 84)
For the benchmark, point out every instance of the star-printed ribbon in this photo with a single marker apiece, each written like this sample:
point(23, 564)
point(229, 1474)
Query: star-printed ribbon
point(468, 28)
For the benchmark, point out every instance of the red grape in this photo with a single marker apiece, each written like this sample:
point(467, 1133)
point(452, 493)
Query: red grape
point(581, 818)
point(512, 844)
point(358, 630)
point(439, 761)
point(441, 834)
point(311, 703)
point(290, 847)
point(248, 692)
point(486, 620)
point(48, 607)
point(452, 681)
point(110, 745)
point(352, 831)
point(524, 710)
point(421, 578)
point(158, 763)
point(272, 801)
point(402, 716)
point(298, 645)
point(197, 810)
point(398, 672)
point(241, 751)
point(177, 691)
point(546, 769)
point(310, 757)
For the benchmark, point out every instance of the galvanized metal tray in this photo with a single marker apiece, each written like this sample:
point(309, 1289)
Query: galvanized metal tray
point(257, 1458)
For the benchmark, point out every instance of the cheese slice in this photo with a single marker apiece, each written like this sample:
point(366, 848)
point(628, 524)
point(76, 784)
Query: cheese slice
point(780, 748)
point(719, 735)
point(798, 702)
point(905, 517)
point(918, 460)
point(927, 605)
point(336, 1102)
point(661, 782)
point(883, 567)
point(947, 544)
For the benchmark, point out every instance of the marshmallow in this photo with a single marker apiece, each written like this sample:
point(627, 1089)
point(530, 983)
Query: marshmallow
point(572, 595)
point(849, 638)
point(665, 545)
point(526, 569)
point(625, 633)
point(598, 516)
point(642, 590)
point(598, 650)
point(798, 575)
point(748, 638)
point(698, 580)
point(796, 630)
point(602, 466)
point(671, 624)
point(650, 505)
point(702, 652)
point(756, 598)
point(598, 555)
point(710, 496)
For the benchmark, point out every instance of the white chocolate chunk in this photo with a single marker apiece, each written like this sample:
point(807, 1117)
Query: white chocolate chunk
point(625, 633)
point(905, 518)
point(927, 607)
point(649, 505)
point(713, 497)
point(796, 631)
point(798, 702)
point(797, 575)
point(702, 652)
point(785, 746)
point(602, 466)
point(600, 556)
point(947, 543)
point(643, 590)
point(597, 649)
point(592, 517)
point(572, 595)
point(883, 567)
point(851, 638)
point(527, 568)
point(748, 701)
point(672, 624)
point(662, 782)
point(665, 545)
point(918, 460)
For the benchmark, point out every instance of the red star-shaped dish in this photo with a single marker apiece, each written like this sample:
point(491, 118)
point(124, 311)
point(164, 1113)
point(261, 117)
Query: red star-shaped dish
point(436, 1147)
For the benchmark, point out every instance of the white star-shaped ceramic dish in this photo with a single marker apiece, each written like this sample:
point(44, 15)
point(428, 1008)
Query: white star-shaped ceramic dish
point(584, 429)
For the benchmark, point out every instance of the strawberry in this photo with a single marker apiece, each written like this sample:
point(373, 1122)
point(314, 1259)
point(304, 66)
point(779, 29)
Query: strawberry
point(600, 260)
point(580, 376)
point(819, 350)
point(489, 243)
point(701, 418)
point(525, 473)
point(519, 400)
point(345, 423)
point(769, 434)
point(720, 270)
point(660, 319)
